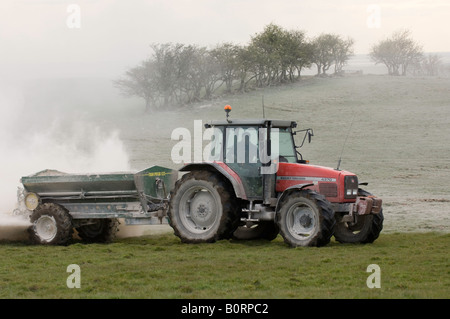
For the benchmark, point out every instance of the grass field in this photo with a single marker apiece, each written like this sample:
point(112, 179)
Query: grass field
point(398, 131)
point(160, 266)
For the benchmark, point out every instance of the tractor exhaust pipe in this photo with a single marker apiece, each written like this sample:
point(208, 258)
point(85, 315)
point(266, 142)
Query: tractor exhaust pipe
point(269, 179)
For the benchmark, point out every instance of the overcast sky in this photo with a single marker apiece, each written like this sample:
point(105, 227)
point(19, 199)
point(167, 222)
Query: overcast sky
point(52, 38)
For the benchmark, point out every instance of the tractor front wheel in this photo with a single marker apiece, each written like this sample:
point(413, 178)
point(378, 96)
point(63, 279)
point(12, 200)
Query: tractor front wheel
point(305, 218)
point(365, 229)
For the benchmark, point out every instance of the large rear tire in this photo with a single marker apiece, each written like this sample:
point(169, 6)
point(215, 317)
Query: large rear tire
point(305, 218)
point(203, 208)
point(51, 225)
point(366, 229)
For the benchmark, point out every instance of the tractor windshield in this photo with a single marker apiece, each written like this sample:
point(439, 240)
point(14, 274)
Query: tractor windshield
point(286, 146)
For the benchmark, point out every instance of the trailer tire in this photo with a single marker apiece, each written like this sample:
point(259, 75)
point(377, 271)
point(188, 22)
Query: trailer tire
point(51, 225)
point(203, 208)
point(305, 218)
point(366, 229)
point(101, 231)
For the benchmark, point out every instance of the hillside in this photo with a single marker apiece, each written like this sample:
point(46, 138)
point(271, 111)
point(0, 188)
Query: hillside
point(398, 130)
point(397, 127)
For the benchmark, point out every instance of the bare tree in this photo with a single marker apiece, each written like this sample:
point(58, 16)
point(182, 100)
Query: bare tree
point(432, 64)
point(187, 86)
point(245, 65)
point(323, 56)
point(227, 57)
point(267, 52)
point(397, 52)
point(275, 56)
point(139, 81)
point(296, 54)
point(167, 72)
point(210, 72)
point(342, 51)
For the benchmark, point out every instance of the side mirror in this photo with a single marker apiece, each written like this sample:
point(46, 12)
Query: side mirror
point(308, 133)
point(309, 137)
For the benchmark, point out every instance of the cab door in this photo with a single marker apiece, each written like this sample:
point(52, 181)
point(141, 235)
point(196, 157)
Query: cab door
point(242, 156)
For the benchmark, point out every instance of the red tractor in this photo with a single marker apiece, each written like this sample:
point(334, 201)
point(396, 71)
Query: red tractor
point(257, 185)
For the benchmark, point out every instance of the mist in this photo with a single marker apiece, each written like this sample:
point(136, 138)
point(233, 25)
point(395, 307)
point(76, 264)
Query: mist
point(38, 134)
point(39, 39)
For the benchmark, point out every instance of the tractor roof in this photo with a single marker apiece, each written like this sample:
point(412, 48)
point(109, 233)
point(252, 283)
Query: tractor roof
point(252, 122)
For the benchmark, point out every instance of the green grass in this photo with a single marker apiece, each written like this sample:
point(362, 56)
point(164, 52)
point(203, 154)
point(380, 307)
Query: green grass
point(413, 265)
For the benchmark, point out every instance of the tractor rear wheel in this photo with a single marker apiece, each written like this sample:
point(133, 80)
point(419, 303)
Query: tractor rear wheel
point(305, 218)
point(203, 208)
point(364, 230)
point(51, 225)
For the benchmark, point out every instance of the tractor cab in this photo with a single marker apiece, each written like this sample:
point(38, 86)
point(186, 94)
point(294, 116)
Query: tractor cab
point(253, 149)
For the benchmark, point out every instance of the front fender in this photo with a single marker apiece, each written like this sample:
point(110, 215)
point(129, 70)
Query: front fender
point(289, 190)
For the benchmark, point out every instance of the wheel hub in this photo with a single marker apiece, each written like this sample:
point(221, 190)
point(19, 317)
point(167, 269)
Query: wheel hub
point(303, 222)
point(46, 228)
point(202, 211)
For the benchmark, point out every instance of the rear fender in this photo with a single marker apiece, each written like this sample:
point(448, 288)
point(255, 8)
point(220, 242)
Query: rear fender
point(221, 169)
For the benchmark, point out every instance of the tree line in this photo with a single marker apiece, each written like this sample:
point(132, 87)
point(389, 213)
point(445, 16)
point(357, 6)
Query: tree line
point(179, 74)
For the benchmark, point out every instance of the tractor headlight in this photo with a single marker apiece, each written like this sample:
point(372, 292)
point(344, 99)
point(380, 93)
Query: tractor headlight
point(31, 201)
point(350, 186)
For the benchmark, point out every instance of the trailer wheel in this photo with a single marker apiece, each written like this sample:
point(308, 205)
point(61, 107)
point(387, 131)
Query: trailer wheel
point(365, 230)
point(51, 225)
point(305, 218)
point(100, 231)
point(203, 208)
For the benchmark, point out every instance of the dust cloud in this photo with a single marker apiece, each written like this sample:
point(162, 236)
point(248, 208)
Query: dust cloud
point(38, 138)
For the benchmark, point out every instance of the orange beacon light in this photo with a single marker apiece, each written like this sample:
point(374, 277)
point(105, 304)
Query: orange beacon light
point(227, 109)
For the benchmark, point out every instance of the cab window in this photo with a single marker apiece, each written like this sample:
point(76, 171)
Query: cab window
point(286, 146)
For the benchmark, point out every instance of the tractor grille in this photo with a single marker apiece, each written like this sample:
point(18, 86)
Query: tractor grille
point(328, 189)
